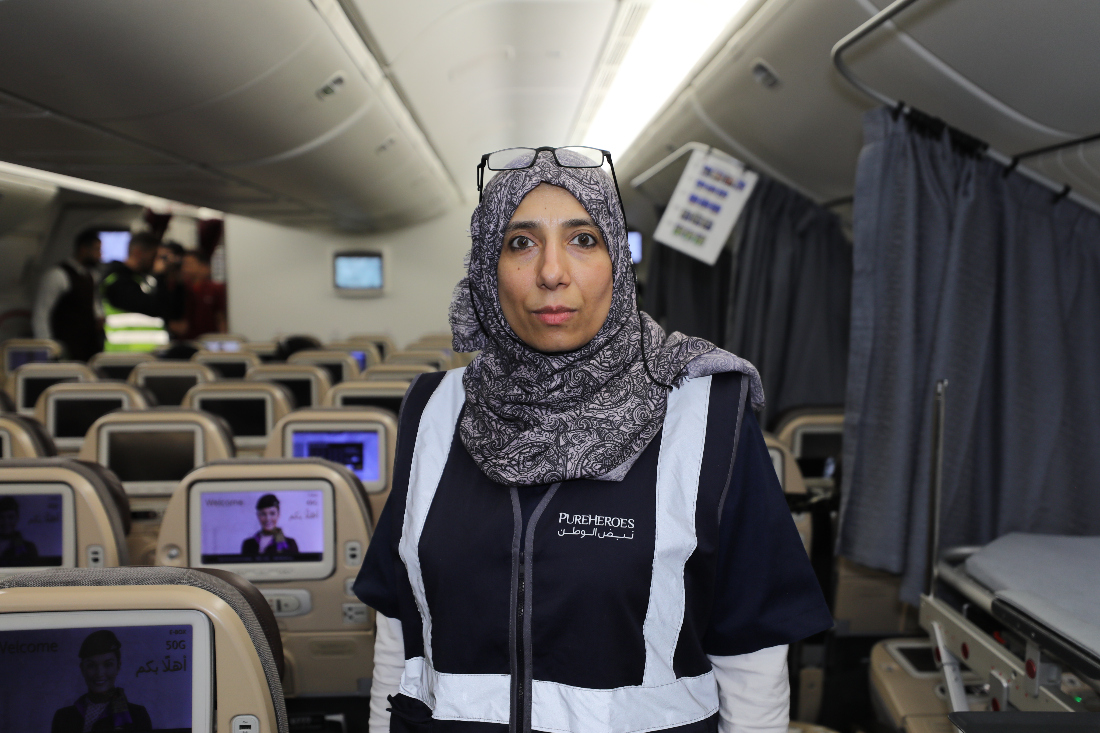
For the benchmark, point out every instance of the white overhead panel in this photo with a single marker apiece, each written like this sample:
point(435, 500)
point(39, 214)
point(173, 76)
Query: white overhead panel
point(483, 75)
point(1008, 72)
point(270, 108)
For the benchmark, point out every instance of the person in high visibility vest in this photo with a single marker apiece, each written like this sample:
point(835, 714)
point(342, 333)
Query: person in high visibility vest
point(134, 313)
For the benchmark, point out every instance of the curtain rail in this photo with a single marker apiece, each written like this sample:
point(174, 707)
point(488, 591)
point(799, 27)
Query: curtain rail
point(1061, 190)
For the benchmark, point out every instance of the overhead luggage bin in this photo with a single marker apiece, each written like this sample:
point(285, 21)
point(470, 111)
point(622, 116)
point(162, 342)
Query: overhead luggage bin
point(70, 514)
point(281, 113)
point(318, 526)
point(27, 383)
point(200, 651)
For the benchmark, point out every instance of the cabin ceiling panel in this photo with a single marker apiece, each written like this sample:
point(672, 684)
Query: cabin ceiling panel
point(487, 75)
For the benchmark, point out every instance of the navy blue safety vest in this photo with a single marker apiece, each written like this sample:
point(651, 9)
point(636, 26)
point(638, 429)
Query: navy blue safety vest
point(590, 621)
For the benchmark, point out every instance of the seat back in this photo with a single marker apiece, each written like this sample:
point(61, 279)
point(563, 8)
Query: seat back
point(250, 408)
point(268, 351)
point(24, 437)
point(151, 451)
point(227, 364)
point(222, 342)
point(195, 651)
point(170, 380)
point(815, 436)
point(439, 359)
point(117, 364)
point(14, 353)
point(306, 382)
point(362, 439)
point(68, 409)
point(340, 365)
point(320, 525)
point(381, 341)
point(432, 341)
point(365, 353)
point(7, 404)
point(790, 478)
point(387, 395)
point(69, 514)
point(397, 372)
point(27, 383)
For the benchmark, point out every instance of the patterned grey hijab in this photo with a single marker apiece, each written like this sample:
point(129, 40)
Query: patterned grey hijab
point(536, 418)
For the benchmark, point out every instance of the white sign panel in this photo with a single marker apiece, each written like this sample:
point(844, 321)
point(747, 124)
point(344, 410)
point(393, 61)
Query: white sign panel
point(704, 207)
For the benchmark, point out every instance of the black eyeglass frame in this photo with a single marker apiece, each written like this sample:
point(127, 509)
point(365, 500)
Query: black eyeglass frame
point(484, 164)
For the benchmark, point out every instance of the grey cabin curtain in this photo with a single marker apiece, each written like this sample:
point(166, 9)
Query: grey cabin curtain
point(966, 272)
point(779, 296)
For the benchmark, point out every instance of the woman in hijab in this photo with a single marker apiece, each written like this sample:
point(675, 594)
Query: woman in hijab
point(585, 532)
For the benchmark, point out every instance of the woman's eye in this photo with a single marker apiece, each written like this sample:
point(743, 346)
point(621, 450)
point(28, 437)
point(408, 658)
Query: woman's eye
point(585, 240)
point(520, 243)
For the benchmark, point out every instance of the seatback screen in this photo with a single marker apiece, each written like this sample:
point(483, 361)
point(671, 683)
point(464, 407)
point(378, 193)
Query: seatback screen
point(262, 526)
point(358, 450)
point(229, 369)
point(73, 417)
point(302, 389)
point(59, 673)
point(393, 404)
point(32, 531)
point(169, 389)
point(246, 417)
point(161, 455)
point(33, 387)
point(360, 358)
point(19, 357)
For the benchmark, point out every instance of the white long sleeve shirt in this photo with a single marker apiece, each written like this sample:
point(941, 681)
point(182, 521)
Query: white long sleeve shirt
point(753, 689)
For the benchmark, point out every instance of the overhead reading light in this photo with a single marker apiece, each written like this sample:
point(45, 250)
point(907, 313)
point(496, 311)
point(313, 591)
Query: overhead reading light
point(671, 39)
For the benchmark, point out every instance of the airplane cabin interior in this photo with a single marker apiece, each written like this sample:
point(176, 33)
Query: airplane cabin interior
point(231, 232)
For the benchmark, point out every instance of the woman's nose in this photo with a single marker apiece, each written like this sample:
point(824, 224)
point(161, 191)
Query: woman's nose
point(552, 270)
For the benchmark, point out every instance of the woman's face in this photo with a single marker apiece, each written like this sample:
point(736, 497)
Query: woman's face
point(269, 518)
point(554, 272)
point(99, 671)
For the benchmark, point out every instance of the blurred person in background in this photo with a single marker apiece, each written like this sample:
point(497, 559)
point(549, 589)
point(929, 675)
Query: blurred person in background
point(171, 290)
point(134, 313)
point(206, 302)
point(67, 307)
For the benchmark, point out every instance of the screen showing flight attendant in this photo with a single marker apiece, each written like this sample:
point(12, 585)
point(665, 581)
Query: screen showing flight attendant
point(109, 676)
point(32, 530)
point(262, 527)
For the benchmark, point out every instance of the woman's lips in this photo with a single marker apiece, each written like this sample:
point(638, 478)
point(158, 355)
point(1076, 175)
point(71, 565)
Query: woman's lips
point(554, 316)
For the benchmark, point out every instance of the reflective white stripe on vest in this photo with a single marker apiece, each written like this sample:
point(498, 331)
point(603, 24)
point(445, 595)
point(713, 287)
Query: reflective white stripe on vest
point(433, 445)
point(482, 697)
point(662, 700)
point(136, 336)
point(682, 438)
point(134, 320)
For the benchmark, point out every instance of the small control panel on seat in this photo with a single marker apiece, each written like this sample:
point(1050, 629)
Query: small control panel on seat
point(96, 557)
point(244, 724)
point(288, 602)
point(353, 553)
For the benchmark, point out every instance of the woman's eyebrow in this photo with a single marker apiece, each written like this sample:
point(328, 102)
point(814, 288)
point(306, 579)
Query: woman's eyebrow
point(570, 223)
point(517, 225)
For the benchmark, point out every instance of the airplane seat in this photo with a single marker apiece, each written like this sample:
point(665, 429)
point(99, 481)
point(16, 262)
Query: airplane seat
point(118, 364)
point(267, 351)
point(250, 408)
point(196, 652)
point(381, 341)
point(170, 380)
point(306, 382)
point(151, 451)
point(340, 365)
point(320, 526)
point(27, 383)
point(225, 342)
point(399, 372)
point(290, 345)
point(815, 436)
point(68, 409)
point(387, 395)
point(365, 353)
point(227, 364)
point(362, 439)
point(24, 437)
point(16, 352)
point(74, 513)
point(7, 404)
point(440, 359)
